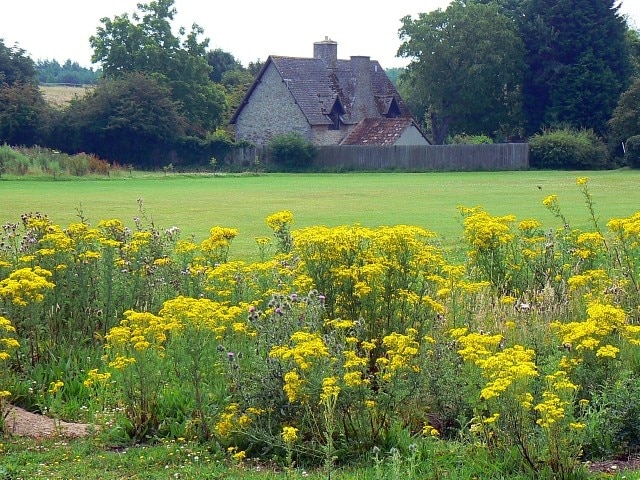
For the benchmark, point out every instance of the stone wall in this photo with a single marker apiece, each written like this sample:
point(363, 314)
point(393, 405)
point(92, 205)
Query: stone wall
point(271, 112)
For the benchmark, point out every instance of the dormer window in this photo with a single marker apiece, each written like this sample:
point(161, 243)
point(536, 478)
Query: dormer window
point(334, 115)
point(394, 109)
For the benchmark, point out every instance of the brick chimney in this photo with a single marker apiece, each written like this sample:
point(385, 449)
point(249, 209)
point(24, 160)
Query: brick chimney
point(327, 50)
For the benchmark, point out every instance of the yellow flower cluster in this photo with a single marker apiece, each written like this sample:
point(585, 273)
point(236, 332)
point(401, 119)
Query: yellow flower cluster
point(505, 368)
point(330, 389)
point(233, 419)
point(219, 240)
point(140, 330)
point(54, 387)
point(293, 384)
point(289, 434)
point(26, 285)
point(279, 220)
point(601, 321)
point(476, 345)
point(7, 343)
point(400, 353)
point(306, 346)
point(199, 313)
point(589, 244)
point(485, 232)
point(94, 377)
point(555, 400)
point(139, 241)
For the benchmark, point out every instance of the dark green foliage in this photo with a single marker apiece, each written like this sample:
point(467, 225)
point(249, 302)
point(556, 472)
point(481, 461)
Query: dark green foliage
point(625, 121)
point(146, 44)
point(21, 103)
point(15, 65)
point(394, 74)
point(463, 138)
point(567, 148)
point(129, 120)
point(221, 62)
point(291, 152)
point(67, 73)
point(632, 151)
point(22, 110)
point(578, 63)
point(466, 70)
point(614, 428)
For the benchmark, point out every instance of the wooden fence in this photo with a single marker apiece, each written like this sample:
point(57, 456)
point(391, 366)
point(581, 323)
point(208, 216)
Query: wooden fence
point(500, 156)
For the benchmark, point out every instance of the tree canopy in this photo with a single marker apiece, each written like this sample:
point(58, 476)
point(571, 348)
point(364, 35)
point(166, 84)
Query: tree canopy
point(22, 105)
point(578, 63)
point(145, 43)
point(129, 120)
point(466, 69)
point(15, 65)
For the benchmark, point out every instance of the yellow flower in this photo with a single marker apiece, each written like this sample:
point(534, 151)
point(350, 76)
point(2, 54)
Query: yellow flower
point(54, 387)
point(239, 456)
point(292, 385)
point(330, 389)
point(492, 419)
point(289, 434)
point(278, 221)
point(607, 351)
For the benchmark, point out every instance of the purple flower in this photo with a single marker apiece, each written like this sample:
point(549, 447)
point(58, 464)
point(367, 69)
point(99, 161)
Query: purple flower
point(231, 356)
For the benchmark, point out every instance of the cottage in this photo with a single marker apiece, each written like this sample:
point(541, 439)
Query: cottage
point(327, 100)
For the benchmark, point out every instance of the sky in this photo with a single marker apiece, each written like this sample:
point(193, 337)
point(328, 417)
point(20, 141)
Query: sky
point(248, 29)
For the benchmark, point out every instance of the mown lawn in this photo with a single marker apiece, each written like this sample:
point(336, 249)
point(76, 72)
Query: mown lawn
point(195, 203)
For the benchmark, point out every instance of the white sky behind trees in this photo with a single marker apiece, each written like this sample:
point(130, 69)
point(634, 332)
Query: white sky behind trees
point(248, 29)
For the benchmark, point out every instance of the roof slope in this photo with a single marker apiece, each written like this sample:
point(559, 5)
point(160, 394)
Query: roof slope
point(315, 88)
point(378, 131)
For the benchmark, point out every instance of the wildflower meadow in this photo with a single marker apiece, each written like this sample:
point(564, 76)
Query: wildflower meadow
point(340, 344)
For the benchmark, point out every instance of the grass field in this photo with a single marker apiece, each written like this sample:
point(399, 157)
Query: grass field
point(429, 200)
point(60, 95)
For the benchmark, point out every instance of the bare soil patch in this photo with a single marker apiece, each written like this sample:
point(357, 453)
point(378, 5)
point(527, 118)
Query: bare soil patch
point(23, 423)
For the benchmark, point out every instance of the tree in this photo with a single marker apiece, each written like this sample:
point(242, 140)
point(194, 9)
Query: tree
point(21, 102)
point(145, 43)
point(131, 119)
point(466, 70)
point(221, 62)
point(15, 65)
point(633, 45)
point(625, 121)
point(578, 63)
point(50, 71)
point(22, 108)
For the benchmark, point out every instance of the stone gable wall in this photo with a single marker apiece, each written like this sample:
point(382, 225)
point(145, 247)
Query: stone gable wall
point(270, 112)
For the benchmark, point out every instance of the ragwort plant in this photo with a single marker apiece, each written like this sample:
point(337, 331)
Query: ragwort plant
point(353, 338)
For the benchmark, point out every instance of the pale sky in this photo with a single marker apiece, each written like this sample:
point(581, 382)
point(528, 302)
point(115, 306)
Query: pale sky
point(248, 29)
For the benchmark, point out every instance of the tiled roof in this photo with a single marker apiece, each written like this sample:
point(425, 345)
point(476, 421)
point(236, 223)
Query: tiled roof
point(315, 88)
point(378, 131)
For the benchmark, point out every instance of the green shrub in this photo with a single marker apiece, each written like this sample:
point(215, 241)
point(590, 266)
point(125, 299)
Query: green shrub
point(567, 148)
point(463, 138)
point(632, 151)
point(12, 161)
point(291, 152)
